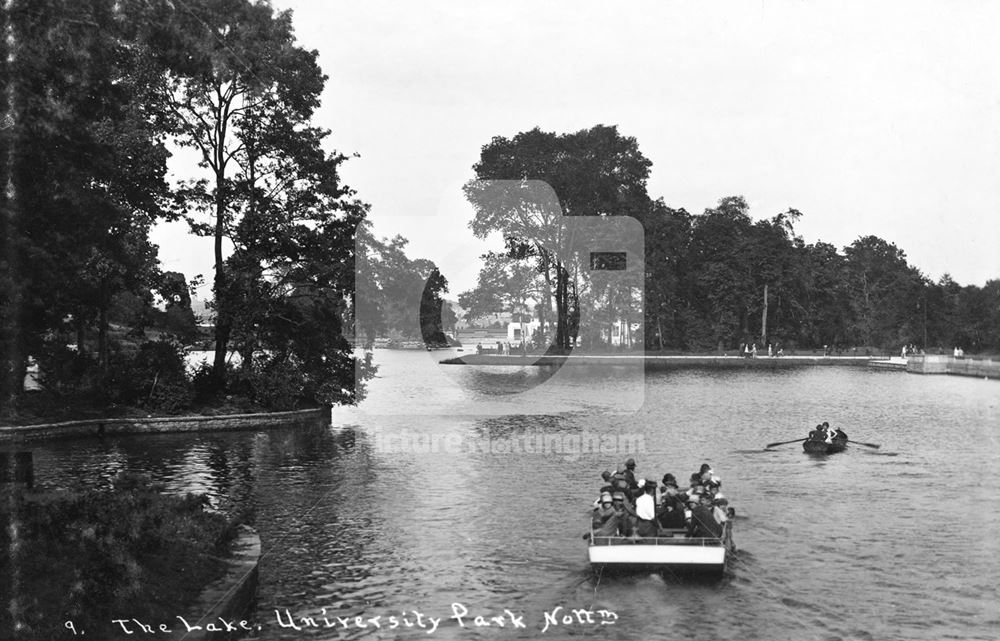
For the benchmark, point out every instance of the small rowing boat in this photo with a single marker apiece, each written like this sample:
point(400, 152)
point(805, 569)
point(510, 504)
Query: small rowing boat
point(814, 446)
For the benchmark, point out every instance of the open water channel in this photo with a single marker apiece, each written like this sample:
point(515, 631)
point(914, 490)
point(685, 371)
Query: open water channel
point(435, 492)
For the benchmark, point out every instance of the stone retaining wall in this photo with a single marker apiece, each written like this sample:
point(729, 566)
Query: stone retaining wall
point(654, 362)
point(933, 364)
point(232, 599)
point(157, 425)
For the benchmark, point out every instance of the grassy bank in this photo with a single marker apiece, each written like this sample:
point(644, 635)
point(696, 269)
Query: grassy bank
point(91, 557)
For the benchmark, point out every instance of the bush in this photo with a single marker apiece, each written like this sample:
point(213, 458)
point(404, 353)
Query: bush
point(154, 377)
point(91, 557)
point(66, 372)
point(274, 384)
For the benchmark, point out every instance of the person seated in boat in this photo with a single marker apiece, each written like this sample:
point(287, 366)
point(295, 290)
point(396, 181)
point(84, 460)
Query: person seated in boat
point(704, 523)
point(605, 520)
point(626, 515)
point(669, 481)
point(712, 487)
point(671, 511)
point(827, 432)
point(645, 510)
point(817, 434)
point(839, 433)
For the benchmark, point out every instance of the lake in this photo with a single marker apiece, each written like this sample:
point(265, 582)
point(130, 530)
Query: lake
point(447, 485)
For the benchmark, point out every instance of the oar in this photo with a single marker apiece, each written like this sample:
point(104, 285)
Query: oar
point(875, 445)
point(798, 440)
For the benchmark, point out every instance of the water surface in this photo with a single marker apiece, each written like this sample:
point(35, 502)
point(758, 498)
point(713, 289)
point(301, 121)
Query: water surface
point(895, 543)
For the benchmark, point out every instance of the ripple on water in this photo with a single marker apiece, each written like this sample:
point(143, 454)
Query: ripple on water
point(892, 538)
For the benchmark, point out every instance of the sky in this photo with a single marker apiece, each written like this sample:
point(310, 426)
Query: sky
point(869, 118)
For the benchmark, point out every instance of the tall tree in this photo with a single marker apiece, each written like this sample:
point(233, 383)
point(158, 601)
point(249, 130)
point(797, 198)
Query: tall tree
point(884, 293)
point(244, 100)
point(83, 171)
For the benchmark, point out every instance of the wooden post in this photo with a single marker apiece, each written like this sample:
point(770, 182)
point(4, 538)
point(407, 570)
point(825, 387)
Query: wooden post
point(763, 320)
point(17, 468)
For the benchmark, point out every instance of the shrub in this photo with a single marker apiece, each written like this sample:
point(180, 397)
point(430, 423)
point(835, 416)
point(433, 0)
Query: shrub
point(92, 556)
point(153, 377)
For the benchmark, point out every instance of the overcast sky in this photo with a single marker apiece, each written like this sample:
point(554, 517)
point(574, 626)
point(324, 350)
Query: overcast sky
point(879, 120)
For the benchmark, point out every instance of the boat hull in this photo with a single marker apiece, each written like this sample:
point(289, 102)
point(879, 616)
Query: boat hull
point(822, 447)
point(676, 554)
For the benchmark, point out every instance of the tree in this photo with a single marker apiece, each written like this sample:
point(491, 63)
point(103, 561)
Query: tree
point(667, 236)
point(593, 172)
point(504, 285)
point(431, 308)
point(884, 293)
point(244, 100)
point(83, 169)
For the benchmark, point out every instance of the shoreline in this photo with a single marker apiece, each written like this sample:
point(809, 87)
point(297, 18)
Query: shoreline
point(100, 427)
point(652, 361)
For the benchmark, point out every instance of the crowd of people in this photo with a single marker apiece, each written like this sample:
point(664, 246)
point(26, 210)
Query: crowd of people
point(632, 507)
point(825, 433)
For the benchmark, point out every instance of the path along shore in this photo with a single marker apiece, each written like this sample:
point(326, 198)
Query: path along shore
point(655, 361)
point(917, 364)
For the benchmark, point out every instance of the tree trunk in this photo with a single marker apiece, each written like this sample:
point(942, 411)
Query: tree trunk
point(561, 308)
point(80, 334)
point(222, 321)
point(102, 329)
point(545, 307)
point(763, 320)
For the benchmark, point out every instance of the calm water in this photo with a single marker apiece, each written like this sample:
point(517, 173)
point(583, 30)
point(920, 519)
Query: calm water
point(896, 543)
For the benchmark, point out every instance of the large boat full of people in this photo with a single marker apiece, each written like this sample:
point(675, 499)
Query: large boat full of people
point(643, 524)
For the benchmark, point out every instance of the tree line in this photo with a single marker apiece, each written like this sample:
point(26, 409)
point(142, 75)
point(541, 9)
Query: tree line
point(713, 280)
point(96, 93)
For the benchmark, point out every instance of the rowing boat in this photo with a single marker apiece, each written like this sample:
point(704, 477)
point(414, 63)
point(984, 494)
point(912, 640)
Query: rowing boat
point(822, 447)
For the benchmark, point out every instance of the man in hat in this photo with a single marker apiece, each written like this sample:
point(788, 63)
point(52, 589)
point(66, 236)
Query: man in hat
point(605, 520)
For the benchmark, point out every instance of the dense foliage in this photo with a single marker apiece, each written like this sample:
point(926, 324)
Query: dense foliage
point(99, 555)
point(93, 93)
point(713, 281)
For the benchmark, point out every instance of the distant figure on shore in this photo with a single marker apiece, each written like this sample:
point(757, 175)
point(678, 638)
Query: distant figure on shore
point(753, 352)
point(479, 349)
point(770, 352)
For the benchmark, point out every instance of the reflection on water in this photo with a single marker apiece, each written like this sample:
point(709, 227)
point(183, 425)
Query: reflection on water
point(868, 544)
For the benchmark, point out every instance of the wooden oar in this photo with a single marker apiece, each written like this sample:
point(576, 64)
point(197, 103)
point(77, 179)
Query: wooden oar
point(875, 445)
point(798, 440)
